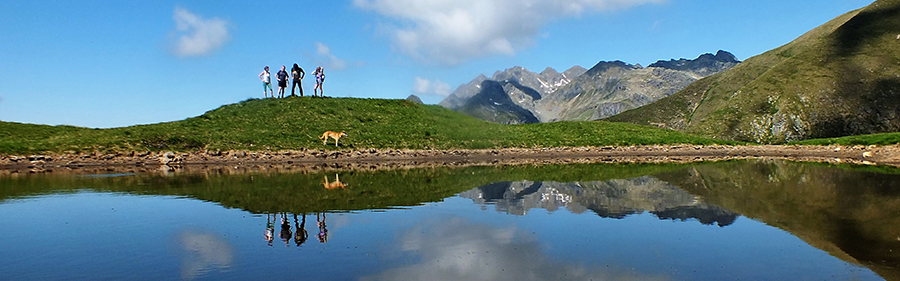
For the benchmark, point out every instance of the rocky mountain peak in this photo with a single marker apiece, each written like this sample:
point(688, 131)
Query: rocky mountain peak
point(603, 66)
point(726, 56)
point(549, 71)
point(704, 65)
point(574, 71)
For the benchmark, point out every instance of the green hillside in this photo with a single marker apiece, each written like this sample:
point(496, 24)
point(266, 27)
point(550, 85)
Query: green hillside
point(296, 123)
point(840, 79)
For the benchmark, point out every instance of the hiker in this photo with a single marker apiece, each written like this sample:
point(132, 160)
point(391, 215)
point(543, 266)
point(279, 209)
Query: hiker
point(282, 77)
point(297, 73)
point(267, 82)
point(320, 77)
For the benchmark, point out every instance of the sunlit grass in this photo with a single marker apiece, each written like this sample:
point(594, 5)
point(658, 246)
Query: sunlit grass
point(296, 123)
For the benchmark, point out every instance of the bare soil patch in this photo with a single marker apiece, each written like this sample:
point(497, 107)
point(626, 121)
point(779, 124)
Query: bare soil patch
point(374, 159)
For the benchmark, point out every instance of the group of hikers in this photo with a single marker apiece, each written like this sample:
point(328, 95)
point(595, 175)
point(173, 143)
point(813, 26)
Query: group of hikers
point(296, 75)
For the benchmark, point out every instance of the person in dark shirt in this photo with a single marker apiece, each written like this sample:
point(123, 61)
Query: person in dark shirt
point(282, 77)
point(297, 73)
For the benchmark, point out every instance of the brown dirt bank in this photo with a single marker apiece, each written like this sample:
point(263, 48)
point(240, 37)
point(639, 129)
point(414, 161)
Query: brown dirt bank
point(368, 159)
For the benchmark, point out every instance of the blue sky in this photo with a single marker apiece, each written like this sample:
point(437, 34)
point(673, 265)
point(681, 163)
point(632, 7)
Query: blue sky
point(119, 63)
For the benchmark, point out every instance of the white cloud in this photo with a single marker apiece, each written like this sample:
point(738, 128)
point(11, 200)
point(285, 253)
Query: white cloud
point(328, 60)
point(428, 87)
point(453, 31)
point(198, 36)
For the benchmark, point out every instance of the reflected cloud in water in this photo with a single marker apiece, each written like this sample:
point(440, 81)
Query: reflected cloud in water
point(204, 252)
point(456, 249)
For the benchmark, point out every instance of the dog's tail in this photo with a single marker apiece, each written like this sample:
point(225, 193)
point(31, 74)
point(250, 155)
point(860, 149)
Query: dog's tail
point(322, 137)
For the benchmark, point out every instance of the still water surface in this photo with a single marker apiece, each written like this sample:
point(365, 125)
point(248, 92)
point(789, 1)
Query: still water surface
point(712, 221)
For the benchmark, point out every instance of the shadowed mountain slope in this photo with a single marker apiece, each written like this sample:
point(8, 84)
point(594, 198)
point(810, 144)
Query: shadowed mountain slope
point(839, 79)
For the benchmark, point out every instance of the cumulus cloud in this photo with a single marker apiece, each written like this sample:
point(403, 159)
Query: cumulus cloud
point(456, 249)
point(427, 87)
point(453, 31)
point(197, 36)
point(326, 59)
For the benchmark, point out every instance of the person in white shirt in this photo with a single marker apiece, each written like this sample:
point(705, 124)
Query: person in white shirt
point(266, 78)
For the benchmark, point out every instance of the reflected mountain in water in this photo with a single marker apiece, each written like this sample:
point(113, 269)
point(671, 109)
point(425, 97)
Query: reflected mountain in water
point(609, 199)
point(853, 213)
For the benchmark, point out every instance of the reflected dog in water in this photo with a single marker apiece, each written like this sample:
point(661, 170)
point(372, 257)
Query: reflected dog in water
point(335, 135)
point(335, 184)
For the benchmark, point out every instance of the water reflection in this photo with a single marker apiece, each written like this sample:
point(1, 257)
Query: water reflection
point(596, 215)
point(285, 233)
point(301, 234)
point(609, 199)
point(270, 228)
point(323, 231)
point(298, 234)
point(335, 184)
point(204, 252)
point(457, 249)
point(852, 213)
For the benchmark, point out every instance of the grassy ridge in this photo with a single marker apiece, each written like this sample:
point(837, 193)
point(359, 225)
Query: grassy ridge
point(836, 80)
point(295, 123)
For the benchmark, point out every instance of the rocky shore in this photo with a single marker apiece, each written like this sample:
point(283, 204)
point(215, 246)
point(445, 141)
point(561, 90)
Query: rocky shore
point(373, 159)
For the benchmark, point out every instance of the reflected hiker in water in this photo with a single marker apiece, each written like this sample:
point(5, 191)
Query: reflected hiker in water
point(285, 233)
point(323, 232)
point(270, 228)
point(335, 184)
point(301, 234)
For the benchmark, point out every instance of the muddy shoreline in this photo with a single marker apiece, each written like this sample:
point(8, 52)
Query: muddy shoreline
point(377, 159)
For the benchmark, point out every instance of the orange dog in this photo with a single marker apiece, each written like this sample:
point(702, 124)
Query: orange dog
point(335, 135)
point(335, 184)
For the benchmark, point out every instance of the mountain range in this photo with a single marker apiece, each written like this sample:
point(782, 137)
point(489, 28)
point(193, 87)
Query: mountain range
point(839, 79)
point(517, 95)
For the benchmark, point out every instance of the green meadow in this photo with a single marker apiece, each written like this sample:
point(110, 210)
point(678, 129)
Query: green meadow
point(296, 123)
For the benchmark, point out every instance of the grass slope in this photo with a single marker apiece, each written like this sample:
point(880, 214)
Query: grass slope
point(838, 79)
point(296, 123)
